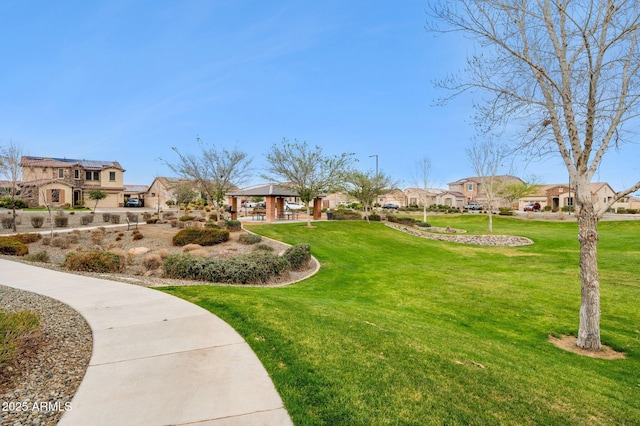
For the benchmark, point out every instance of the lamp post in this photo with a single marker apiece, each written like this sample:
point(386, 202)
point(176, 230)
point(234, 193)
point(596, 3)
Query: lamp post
point(375, 155)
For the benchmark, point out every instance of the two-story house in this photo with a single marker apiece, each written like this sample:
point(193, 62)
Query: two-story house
point(475, 188)
point(59, 181)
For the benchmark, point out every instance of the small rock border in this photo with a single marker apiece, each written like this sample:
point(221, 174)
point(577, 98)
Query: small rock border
point(479, 240)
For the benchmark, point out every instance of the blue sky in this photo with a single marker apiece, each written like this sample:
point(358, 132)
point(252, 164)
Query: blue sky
point(127, 80)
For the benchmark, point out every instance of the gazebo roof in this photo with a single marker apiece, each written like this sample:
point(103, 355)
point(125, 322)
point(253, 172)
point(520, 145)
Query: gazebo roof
point(265, 190)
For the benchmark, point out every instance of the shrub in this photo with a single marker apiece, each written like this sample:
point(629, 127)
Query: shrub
point(204, 236)
point(18, 203)
point(186, 218)
point(86, 219)
point(152, 261)
point(41, 256)
point(132, 217)
point(106, 217)
point(402, 220)
point(37, 221)
point(424, 224)
point(60, 242)
point(97, 237)
point(7, 222)
point(152, 221)
point(249, 238)
point(191, 247)
point(233, 225)
point(18, 332)
point(27, 238)
point(346, 215)
point(72, 238)
point(298, 256)
point(375, 217)
point(621, 210)
point(46, 241)
point(13, 247)
point(253, 268)
point(115, 218)
point(632, 211)
point(137, 236)
point(263, 246)
point(163, 253)
point(61, 221)
point(505, 211)
point(211, 224)
point(92, 261)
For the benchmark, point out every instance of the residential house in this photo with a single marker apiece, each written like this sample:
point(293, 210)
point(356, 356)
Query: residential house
point(59, 181)
point(559, 196)
point(419, 196)
point(451, 198)
point(136, 192)
point(473, 189)
point(161, 191)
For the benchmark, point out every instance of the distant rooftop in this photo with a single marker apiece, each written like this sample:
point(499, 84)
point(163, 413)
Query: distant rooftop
point(68, 162)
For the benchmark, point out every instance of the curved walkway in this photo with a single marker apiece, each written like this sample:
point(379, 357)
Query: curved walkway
point(156, 359)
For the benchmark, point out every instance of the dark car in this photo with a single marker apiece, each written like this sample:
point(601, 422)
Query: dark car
point(390, 206)
point(532, 207)
point(133, 202)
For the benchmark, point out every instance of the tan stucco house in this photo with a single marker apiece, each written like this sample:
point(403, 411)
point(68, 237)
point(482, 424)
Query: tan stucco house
point(59, 181)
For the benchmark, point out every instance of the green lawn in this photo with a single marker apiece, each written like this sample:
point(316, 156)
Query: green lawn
point(396, 329)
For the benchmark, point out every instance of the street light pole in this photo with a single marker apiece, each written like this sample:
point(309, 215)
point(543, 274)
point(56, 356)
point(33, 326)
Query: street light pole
point(375, 155)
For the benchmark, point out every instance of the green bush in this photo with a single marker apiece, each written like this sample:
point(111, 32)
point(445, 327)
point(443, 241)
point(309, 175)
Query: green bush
point(18, 203)
point(13, 247)
point(17, 331)
point(37, 221)
point(402, 220)
point(7, 222)
point(375, 217)
point(346, 215)
point(202, 236)
point(233, 225)
point(253, 268)
point(92, 261)
point(505, 211)
point(41, 256)
point(263, 246)
point(152, 221)
point(298, 256)
point(249, 238)
point(186, 218)
point(424, 224)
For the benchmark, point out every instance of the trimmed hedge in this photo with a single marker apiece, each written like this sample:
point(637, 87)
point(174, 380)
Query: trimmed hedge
point(27, 238)
point(403, 220)
point(233, 225)
point(92, 261)
point(375, 217)
point(13, 247)
point(202, 236)
point(249, 238)
point(346, 215)
point(253, 268)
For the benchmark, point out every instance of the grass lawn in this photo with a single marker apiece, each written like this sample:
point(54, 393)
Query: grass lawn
point(397, 329)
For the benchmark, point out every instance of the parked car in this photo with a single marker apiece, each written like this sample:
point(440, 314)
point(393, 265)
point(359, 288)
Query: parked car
point(472, 205)
point(250, 204)
point(532, 207)
point(133, 202)
point(292, 205)
point(390, 206)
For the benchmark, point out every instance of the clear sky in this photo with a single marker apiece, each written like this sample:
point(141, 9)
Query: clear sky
point(127, 80)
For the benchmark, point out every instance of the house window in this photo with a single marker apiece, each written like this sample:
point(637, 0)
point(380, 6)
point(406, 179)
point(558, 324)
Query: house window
point(469, 187)
point(112, 176)
point(569, 201)
point(76, 174)
point(60, 173)
point(55, 195)
point(92, 175)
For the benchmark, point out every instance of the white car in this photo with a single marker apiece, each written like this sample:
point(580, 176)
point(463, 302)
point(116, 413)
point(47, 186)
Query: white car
point(292, 205)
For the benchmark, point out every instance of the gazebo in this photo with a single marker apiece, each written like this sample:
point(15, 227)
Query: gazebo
point(274, 196)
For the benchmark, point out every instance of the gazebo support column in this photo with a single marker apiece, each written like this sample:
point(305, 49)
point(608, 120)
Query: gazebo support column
point(233, 202)
point(270, 201)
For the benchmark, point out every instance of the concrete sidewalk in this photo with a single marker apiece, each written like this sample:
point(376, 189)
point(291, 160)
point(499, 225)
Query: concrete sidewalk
point(157, 359)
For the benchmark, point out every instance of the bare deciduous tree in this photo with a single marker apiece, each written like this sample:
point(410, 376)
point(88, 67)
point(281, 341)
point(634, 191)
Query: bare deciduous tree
point(565, 74)
point(422, 179)
point(214, 171)
point(307, 171)
point(486, 158)
point(10, 168)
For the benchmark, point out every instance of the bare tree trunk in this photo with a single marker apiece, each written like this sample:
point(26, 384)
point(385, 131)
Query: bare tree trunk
point(308, 215)
point(589, 331)
point(490, 214)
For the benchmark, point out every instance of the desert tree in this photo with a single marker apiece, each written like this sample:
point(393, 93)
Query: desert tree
point(562, 78)
point(214, 171)
point(183, 193)
point(422, 180)
point(96, 195)
point(10, 168)
point(306, 170)
point(515, 190)
point(366, 187)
